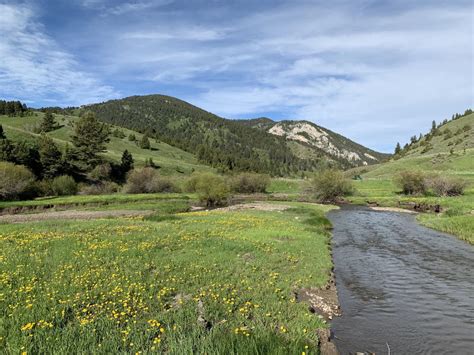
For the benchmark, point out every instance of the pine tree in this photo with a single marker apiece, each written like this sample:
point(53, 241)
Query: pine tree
point(50, 158)
point(90, 138)
point(145, 142)
point(433, 126)
point(48, 124)
point(398, 149)
point(126, 162)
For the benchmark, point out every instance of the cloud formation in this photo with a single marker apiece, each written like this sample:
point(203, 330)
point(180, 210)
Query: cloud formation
point(374, 71)
point(34, 67)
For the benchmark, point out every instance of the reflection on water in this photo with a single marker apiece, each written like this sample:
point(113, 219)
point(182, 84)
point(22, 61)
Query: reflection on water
point(401, 285)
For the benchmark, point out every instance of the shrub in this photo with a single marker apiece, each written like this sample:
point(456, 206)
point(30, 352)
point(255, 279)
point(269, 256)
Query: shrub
point(411, 182)
point(191, 182)
point(16, 181)
point(147, 180)
point(250, 183)
point(330, 186)
point(446, 186)
point(211, 189)
point(64, 185)
point(101, 188)
point(101, 172)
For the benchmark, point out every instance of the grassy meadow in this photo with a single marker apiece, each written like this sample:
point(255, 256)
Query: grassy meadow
point(171, 160)
point(214, 282)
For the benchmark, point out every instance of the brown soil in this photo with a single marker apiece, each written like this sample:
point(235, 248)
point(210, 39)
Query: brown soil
point(392, 209)
point(259, 206)
point(325, 303)
point(70, 214)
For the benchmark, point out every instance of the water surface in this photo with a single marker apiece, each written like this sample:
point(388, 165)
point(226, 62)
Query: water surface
point(401, 285)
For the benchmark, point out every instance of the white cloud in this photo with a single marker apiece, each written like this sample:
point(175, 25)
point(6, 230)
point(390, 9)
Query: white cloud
point(33, 65)
point(136, 6)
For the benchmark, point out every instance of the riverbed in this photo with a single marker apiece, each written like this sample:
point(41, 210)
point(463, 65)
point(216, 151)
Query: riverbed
point(403, 288)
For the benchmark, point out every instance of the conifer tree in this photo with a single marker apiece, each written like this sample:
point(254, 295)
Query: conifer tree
point(2, 133)
point(90, 138)
point(50, 158)
point(126, 162)
point(145, 142)
point(48, 124)
point(398, 149)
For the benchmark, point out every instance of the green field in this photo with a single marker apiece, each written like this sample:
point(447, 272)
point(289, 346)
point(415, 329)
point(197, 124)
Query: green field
point(172, 161)
point(204, 282)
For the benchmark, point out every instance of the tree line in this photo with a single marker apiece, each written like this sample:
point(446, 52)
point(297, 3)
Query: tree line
point(13, 108)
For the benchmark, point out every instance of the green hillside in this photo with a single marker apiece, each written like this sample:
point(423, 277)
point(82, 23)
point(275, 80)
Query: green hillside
point(222, 143)
point(446, 153)
point(171, 160)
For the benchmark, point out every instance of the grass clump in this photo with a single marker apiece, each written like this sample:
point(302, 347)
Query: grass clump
point(330, 186)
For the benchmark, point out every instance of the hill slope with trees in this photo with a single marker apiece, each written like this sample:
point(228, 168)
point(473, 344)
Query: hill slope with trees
point(223, 143)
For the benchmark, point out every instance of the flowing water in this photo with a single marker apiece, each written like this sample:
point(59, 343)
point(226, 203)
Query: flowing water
point(401, 286)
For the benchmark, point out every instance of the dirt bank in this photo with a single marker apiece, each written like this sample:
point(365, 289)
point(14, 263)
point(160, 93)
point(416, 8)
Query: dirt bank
point(392, 209)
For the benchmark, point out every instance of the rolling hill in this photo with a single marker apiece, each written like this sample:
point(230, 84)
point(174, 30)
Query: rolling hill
point(171, 160)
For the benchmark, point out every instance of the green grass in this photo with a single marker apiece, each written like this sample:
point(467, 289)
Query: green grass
point(456, 218)
point(286, 186)
point(100, 200)
point(462, 226)
point(206, 282)
point(172, 160)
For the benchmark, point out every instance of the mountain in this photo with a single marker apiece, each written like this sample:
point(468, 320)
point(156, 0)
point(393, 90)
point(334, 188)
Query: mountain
point(262, 145)
point(221, 143)
point(307, 136)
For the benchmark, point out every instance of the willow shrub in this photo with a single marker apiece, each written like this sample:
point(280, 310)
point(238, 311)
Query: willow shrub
point(330, 186)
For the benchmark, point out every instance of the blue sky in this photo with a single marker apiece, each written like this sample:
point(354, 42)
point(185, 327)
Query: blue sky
point(375, 71)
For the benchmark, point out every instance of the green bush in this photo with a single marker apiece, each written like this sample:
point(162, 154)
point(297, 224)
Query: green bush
point(16, 182)
point(212, 189)
point(101, 172)
point(330, 186)
point(147, 180)
point(64, 185)
point(411, 182)
point(101, 188)
point(446, 185)
point(249, 183)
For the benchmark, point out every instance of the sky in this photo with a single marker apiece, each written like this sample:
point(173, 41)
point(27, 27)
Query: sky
point(377, 72)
